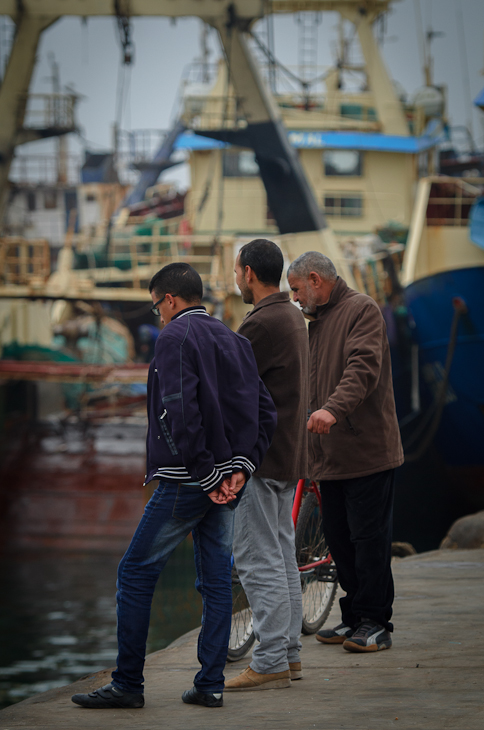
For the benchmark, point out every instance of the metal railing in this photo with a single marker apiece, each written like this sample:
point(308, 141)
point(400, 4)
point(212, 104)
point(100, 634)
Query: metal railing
point(451, 200)
point(44, 169)
point(50, 111)
point(378, 274)
point(23, 261)
point(133, 260)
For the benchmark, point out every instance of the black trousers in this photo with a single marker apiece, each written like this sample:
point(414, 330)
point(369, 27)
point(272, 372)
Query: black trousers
point(357, 523)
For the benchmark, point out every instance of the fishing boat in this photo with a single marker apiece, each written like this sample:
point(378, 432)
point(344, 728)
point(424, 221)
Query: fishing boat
point(443, 280)
point(338, 160)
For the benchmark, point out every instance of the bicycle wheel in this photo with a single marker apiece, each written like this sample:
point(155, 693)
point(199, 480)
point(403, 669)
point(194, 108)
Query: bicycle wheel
point(318, 584)
point(241, 632)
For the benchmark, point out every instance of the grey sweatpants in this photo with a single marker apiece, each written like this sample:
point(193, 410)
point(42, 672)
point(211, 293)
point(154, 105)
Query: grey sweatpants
point(265, 557)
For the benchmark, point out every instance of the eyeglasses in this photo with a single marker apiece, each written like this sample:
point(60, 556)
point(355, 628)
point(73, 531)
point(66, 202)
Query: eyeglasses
point(155, 309)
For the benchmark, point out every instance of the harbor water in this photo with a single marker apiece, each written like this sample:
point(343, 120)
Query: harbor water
point(71, 497)
point(58, 616)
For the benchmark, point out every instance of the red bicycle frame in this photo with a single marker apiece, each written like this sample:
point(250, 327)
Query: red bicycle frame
point(313, 487)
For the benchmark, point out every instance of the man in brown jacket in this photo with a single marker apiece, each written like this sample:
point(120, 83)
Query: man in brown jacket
point(354, 445)
point(264, 534)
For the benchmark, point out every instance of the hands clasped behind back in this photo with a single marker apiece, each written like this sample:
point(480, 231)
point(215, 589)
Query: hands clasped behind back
point(229, 488)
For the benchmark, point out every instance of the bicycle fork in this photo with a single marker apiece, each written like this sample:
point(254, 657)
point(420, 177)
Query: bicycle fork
point(300, 489)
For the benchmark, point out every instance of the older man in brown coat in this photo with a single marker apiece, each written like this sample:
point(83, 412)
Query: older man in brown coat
point(264, 534)
point(354, 446)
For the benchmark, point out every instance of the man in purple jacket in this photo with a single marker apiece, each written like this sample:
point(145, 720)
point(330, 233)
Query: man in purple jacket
point(210, 422)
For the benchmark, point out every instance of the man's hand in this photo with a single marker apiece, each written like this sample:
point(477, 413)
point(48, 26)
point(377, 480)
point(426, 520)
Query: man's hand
point(228, 489)
point(321, 421)
point(236, 482)
point(221, 495)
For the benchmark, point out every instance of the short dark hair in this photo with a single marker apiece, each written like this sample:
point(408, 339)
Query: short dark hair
point(180, 280)
point(265, 259)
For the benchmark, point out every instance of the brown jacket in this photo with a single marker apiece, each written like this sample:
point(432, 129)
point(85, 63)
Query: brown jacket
point(279, 338)
point(350, 375)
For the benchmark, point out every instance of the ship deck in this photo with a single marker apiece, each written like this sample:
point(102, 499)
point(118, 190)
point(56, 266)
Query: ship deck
point(431, 678)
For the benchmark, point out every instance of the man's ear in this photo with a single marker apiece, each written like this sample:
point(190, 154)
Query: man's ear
point(171, 300)
point(315, 279)
point(249, 274)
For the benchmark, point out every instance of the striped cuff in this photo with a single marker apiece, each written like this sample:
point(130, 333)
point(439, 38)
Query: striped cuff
point(212, 481)
point(242, 463)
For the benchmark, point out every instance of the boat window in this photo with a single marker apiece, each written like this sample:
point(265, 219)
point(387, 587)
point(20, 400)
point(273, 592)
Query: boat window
point(343, 205)
point(423, 164)
point(50, 199)
point(31, 201)
point(343, 162)
point(357, 111)
point(240, 164)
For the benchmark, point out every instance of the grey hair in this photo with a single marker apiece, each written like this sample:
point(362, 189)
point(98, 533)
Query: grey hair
point(313, 261)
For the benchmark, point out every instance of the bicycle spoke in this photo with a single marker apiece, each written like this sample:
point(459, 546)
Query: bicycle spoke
point(318, 595)
point(241, 632)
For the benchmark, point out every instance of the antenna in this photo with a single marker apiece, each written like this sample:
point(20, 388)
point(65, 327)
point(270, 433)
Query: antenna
point(57, 108)
point(124, 28)
point(429, 61)
point(205, 52)
point(308, 44)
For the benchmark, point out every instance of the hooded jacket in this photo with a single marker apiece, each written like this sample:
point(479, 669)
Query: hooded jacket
point(209, 414)
point(350, 376)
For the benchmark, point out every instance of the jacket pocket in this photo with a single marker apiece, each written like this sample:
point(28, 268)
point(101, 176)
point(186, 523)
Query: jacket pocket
point(352, 428)
point(166, 433)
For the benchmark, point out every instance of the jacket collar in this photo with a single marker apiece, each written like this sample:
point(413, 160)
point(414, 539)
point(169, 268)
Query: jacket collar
point(338, 292)
point(190, 310)
point(276, 298)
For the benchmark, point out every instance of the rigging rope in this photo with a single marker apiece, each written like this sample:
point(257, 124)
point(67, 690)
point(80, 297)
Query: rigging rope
point(464, 63)
point(434, 414)
point(124, 76)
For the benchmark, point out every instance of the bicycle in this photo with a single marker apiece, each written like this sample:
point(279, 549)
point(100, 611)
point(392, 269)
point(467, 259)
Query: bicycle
point(319, 580)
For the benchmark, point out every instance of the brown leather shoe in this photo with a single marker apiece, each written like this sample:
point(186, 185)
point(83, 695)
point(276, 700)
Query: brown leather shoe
point(250, 680)
point(296, 670)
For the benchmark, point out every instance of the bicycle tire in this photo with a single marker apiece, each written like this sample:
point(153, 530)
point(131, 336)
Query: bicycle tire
point(242, 634)
point(318, 595)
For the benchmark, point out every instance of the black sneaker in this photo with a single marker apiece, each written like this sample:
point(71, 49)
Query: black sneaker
point(207, 699)
point(108, 696)
point(336, 635)
point(369, 636)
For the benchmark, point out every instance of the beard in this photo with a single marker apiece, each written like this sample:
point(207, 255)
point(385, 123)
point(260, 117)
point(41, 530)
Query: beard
point(247, 296)
point(310, 306)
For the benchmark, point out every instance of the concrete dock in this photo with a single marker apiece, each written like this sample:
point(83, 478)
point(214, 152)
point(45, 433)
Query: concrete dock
point(433, 677)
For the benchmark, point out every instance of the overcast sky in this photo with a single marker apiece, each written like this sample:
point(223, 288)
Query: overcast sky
point(89, 55)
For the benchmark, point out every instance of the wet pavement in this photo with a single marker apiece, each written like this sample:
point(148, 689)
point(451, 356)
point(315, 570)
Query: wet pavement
point(430, 679)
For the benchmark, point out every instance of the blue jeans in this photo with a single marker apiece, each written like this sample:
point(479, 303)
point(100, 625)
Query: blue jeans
point(172, 513)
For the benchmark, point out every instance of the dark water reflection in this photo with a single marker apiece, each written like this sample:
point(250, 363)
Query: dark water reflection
point(58, 616)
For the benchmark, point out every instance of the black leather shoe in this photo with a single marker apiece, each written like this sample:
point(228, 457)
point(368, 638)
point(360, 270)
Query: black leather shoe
point(108, 696)
point(207, 699)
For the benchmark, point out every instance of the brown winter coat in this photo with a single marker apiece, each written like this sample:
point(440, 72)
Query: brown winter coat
point(279, 338)
point(350, 375)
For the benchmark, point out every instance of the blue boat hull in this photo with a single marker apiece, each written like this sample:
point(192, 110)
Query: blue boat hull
point(460, 435)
